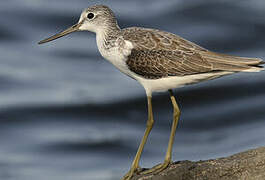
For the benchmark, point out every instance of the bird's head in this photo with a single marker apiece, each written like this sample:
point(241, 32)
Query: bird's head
point(95, 19)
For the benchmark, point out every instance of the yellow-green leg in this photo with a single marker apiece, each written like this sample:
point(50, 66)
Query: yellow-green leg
point(167, 161)
point(149, 126)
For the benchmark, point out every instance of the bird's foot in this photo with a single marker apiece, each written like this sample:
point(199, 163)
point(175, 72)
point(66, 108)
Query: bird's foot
point(131, 172)
point(157, 169)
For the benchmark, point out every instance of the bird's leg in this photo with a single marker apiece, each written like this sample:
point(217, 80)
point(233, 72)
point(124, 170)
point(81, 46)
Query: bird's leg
point(149, 126)
point(167, 161)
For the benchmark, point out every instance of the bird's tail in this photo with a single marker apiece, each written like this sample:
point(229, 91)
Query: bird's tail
point(234, 63)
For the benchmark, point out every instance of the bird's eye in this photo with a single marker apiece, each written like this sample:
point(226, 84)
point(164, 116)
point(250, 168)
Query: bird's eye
point(90, 15)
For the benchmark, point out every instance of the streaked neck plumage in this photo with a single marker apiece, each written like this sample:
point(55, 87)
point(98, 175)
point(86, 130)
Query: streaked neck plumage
point(107, 34)
point(113, 47)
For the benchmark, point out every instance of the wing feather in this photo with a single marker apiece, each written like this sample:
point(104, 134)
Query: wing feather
point(159, 54)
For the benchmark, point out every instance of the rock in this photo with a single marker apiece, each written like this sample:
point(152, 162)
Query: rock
point(249, 165)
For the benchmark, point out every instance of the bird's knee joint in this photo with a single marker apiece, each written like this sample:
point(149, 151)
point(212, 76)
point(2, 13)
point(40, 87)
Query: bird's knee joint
point(177, 112)
point(150, 123)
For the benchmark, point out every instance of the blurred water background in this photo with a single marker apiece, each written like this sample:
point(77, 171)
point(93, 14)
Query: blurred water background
point(65, 113)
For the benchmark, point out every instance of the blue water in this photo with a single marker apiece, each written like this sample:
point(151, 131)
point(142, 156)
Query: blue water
point(65, 113)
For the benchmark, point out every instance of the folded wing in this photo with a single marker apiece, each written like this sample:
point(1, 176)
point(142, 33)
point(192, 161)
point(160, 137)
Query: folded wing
point(159, 54)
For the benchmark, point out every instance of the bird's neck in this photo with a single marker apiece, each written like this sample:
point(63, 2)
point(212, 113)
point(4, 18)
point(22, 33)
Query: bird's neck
point(107, 36)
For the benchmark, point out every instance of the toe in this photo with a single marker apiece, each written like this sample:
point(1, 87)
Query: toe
point(157, 169)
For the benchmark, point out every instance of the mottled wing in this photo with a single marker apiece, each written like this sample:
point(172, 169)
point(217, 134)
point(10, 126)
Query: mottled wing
point(153, 64)
point(159, 54)
point(151, 39)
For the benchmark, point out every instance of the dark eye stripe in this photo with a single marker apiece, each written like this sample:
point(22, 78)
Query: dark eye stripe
point(90, 15)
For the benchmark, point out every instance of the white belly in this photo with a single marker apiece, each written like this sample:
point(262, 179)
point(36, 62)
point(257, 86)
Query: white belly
point(164, 84)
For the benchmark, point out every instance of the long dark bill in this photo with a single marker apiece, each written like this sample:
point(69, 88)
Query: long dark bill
point(74, 28)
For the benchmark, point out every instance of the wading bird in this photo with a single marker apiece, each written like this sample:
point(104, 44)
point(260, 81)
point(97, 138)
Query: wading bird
point(158, 60)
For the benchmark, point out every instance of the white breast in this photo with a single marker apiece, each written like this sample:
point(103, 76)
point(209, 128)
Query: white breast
point(116, 54)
